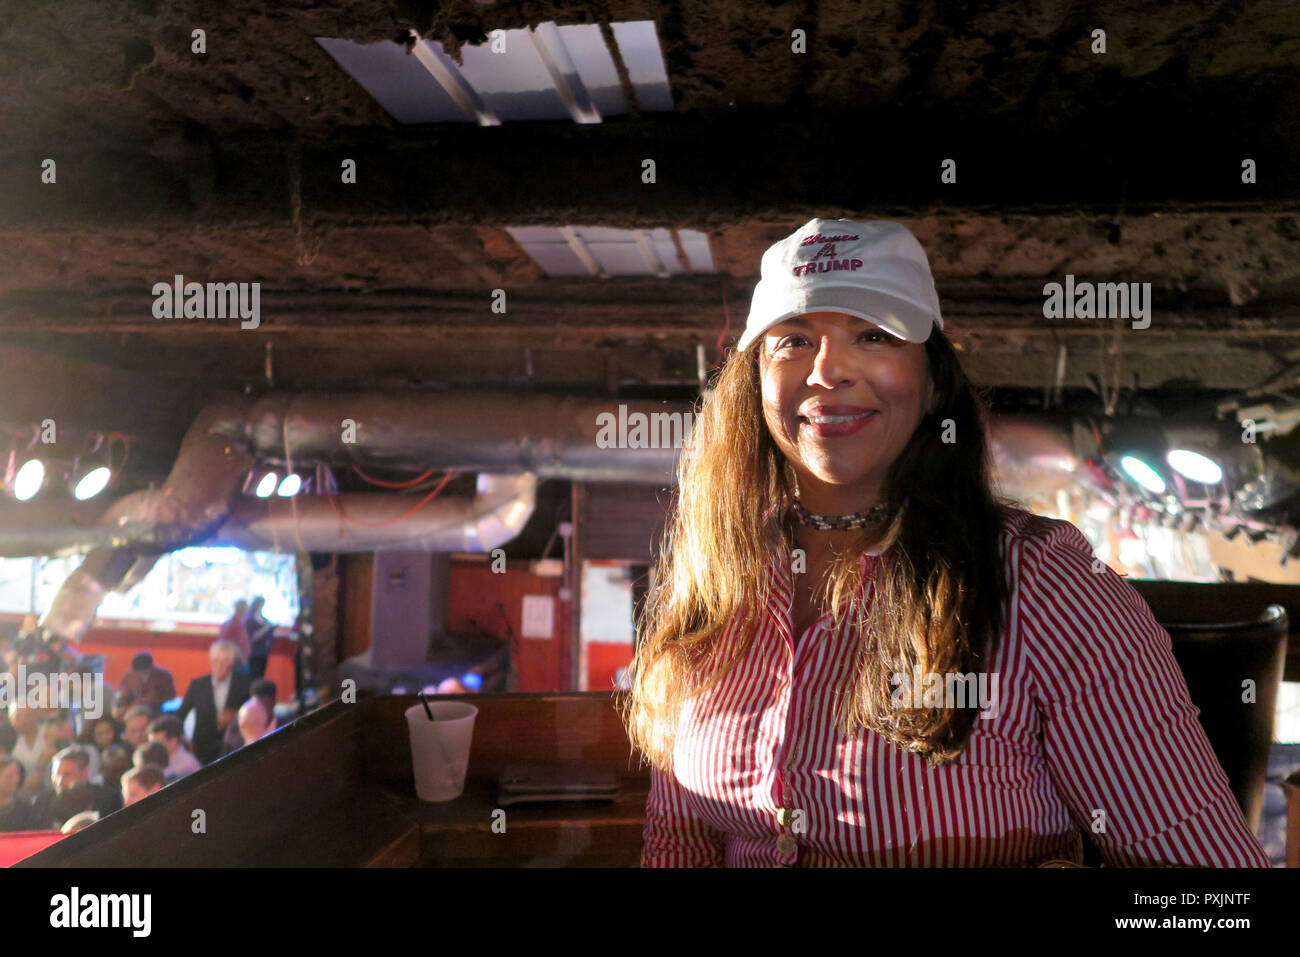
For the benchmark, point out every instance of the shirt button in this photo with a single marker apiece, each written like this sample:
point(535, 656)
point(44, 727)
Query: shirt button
point(786, 845)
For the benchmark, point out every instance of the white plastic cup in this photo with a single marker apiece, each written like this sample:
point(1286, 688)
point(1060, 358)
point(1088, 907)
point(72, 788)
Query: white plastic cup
point(440, 748)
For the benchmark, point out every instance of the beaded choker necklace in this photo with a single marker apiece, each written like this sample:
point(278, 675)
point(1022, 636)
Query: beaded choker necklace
point(839, 522)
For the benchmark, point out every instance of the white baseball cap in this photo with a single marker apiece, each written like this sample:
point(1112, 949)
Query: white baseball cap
point(876, 271)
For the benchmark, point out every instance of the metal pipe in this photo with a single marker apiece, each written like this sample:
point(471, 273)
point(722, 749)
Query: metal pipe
point(491, 518)
point(1032, 455)
point(47, 526)
point(194, 501)
point(550, 436)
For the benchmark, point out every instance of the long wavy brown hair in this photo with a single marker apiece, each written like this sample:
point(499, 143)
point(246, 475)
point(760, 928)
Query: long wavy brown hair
point(939, 587)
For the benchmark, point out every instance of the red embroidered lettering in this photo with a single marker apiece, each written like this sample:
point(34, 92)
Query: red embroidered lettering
point(819, 238)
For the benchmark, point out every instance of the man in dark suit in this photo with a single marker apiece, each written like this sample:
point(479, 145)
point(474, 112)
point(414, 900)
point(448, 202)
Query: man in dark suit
point(215, 699)
point(73, 792)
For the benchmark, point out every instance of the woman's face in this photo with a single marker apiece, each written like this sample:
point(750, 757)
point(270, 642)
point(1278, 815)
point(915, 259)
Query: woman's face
point(833, 364)
point(104, 734)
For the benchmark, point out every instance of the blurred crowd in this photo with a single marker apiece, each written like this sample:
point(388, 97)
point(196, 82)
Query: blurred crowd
point(64, 769)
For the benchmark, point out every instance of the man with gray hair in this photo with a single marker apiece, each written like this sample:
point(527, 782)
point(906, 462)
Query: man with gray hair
point(215, 699)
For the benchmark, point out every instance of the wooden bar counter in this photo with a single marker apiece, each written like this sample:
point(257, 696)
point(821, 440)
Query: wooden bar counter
point(335, 789)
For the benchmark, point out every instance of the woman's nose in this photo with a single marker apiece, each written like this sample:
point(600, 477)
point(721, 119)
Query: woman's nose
point(829, 364)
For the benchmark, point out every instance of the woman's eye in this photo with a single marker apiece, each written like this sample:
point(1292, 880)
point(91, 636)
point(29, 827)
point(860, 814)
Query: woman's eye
point(879, 335)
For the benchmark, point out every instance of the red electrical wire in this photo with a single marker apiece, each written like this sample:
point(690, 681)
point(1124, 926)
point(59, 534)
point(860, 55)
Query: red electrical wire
point(338, 508)
point(1097, 434)
point(383, 484)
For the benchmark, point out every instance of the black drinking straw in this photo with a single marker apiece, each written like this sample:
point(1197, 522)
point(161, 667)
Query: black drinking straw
point(425, 702)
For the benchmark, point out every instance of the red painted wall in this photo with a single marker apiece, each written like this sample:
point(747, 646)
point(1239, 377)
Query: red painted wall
point(604, 659)
point(474, 593)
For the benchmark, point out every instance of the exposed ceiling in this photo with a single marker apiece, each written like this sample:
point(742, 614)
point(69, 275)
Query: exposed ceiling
point(225, 166)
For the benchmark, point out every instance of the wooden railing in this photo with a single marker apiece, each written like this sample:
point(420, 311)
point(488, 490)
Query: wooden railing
point(335, 788)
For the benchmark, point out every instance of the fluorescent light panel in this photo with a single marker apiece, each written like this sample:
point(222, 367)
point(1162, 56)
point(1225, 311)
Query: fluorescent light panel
point(618, 252)
point(399, 82)
point(546, 73)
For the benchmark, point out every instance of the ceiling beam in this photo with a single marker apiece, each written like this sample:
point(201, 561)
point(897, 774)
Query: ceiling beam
point(752, 163)
point(591, 309)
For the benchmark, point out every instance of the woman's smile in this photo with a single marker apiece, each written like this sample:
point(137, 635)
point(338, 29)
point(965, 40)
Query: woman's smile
point(831, 424)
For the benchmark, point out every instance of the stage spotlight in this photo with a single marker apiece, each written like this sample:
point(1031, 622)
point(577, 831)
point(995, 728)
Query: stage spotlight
point(29, 480)
point(290, 486)
point(1143, 474)
point(90, 482)
point(267, 484)
point(1195, 466)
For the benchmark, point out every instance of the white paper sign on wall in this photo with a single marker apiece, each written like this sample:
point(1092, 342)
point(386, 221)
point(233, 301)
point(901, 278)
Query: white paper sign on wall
point(539, 616)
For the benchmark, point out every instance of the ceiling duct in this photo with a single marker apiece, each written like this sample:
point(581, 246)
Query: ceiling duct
point(192, 504)
point(521, 436)
point(510, 440)
point(1032, 455)
point(364, 522)
point(591, 440)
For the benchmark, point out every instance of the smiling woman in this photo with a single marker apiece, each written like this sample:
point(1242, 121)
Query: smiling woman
point(836, 538)
point(830, 375)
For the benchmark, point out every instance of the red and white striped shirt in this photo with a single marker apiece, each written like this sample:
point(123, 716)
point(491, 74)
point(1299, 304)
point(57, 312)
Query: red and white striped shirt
point(1093, 723)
